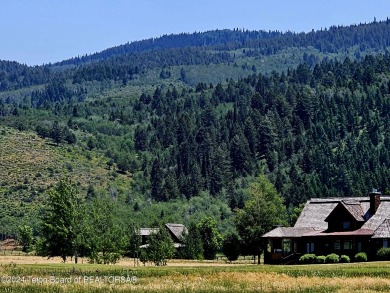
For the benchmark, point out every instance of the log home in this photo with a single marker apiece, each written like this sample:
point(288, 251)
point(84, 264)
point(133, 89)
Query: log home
point(332, 225)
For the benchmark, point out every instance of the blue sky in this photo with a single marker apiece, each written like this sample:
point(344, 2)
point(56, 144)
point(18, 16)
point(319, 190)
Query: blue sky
point(41, 31)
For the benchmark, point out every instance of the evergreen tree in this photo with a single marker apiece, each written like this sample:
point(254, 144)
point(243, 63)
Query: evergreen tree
point(56, 132)
point(156, 181)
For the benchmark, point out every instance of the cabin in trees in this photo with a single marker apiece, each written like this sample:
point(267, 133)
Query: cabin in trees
point(176, 231)
point(333, 225)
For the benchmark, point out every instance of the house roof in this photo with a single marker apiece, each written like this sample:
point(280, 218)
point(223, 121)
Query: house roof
point(383, 231)
point(178, 230)
point(175, 245)
point(352, 207)
point(147, 231)
point(359, 232)
point(291, 232)
point(381, 214)
point(316, 210)
point(355, 209)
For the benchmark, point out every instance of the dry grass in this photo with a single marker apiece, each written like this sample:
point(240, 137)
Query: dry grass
point(233, 282)
point(21, 259)
point(27, 158)
point(29, 165)
point(196, 277)
point(263, 282)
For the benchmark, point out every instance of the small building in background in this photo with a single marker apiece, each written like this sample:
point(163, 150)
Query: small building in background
point(176, 231)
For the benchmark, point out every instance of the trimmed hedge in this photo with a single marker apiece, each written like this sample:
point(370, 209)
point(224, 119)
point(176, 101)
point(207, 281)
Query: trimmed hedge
point(320, 259)
point(361, 257)
point(345, 259)
point(308, 258)
point(383, 254)
point(332, 258)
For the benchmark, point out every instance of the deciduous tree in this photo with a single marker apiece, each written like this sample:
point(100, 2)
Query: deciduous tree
point(210, 236)
point(62, 223)
point(261, 212)
point(160, 247)
point(231, 246)
point(26, 237)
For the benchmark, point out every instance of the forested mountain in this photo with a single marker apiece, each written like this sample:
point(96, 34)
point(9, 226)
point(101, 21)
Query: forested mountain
point(248, 48)
point(15, 76)
point(373, 35)
point(317, 125)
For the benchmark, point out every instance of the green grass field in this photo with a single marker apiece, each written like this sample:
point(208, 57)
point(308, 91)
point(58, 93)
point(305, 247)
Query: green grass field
point(361, 277)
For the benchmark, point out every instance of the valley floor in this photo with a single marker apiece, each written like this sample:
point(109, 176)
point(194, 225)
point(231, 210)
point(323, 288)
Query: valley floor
point(36, 274)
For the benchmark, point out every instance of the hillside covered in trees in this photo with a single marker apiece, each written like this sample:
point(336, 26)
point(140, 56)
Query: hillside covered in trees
point(311, 111)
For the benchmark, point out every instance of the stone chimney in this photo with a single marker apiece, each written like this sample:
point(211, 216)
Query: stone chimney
point(375, 200)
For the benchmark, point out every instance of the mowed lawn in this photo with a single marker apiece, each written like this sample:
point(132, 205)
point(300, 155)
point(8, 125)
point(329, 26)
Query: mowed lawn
point(194, 277)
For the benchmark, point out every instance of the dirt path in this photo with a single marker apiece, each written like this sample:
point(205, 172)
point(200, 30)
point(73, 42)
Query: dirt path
point(27, 259)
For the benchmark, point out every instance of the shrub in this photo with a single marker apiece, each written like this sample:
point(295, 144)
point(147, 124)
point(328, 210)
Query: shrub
point(383, 254)
point(308, 258)
point(361, 257)
point(345, 259)
point(231, 246)
point(320, 259)
point(332, 258)
point(107, 258)
point(143, 257)
point(26, 237)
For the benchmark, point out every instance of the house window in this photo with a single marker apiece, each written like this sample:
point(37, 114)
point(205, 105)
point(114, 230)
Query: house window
point(337, 245)
point(309, 247)
point(346, 225)
point(347, 245)
point(385, 243)
point(359, 247)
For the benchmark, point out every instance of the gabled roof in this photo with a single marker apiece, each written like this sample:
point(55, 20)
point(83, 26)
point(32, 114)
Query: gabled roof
point(178, 230)
point(355, 209)
point(312, 220)
point(352, 207)
point(316, 211)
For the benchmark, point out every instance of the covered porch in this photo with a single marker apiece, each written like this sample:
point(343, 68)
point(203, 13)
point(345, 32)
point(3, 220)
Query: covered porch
point(284, 245)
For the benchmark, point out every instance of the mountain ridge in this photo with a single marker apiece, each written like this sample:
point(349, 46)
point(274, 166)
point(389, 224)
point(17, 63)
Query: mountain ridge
point(190, 125)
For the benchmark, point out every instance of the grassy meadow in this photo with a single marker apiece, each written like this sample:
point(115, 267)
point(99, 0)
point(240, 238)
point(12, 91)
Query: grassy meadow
point(193, 277)
point(30, 165)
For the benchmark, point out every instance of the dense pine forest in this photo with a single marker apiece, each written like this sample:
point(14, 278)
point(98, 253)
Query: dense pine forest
point(310, 111)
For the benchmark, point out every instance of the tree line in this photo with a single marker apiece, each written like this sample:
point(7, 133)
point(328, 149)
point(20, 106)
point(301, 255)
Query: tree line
point(124, 62)
point(73, 226)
